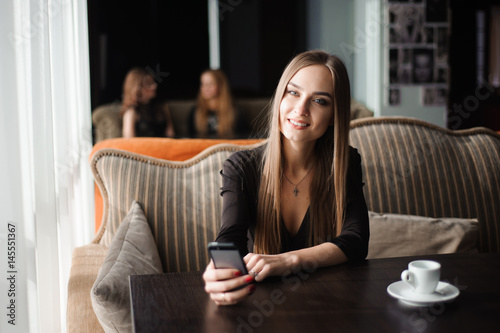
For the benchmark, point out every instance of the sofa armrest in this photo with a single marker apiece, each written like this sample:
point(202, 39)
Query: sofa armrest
point(85, 265)
point(107, 122)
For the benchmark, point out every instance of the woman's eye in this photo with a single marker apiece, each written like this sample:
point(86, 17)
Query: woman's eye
point(320, 101)
point(294, 93)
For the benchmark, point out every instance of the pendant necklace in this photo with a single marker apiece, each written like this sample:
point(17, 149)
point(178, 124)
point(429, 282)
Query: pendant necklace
point(295, 190)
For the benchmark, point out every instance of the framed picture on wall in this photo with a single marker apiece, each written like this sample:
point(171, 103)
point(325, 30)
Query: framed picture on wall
point(433, 96)
point(408, 22)
point(423, 65)
point(394, 97)
point(436, 11)
point(427, 96)
point(417, 49)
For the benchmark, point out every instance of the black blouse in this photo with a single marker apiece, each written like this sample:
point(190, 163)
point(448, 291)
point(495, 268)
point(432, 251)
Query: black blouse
point(151, 122)
point(212, 124)
point(240, 185)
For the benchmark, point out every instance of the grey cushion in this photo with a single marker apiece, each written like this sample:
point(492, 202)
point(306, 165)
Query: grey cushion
point(132, 252)
point(395, 235)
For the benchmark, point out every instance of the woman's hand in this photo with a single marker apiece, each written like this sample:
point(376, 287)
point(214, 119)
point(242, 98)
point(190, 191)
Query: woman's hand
point(261, 266)
point(220, 284)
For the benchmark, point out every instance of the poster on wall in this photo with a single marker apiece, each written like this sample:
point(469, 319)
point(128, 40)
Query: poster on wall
point(417, 50)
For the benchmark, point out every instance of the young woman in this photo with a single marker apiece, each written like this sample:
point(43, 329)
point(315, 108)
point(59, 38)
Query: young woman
point(140, 116)
point(214, 115)
point(297, 201)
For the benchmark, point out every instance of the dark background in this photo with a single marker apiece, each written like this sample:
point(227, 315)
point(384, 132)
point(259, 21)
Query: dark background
point(463, 88)
point(170, 39)
point(257, 38)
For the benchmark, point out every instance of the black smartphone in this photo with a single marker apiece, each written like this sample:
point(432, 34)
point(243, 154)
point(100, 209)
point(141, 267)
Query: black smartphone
point(226, 255)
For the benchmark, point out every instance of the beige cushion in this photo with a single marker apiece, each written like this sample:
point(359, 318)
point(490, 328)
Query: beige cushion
point(132, 252)
point(394, 235)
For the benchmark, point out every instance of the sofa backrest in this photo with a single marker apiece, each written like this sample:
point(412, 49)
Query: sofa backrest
point(251, 110)
point(185, 194)
point(413, 167)
point(108, 123)
point(162, 148)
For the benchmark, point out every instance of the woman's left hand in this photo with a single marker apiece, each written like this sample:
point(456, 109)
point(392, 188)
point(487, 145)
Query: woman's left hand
point(262, 266)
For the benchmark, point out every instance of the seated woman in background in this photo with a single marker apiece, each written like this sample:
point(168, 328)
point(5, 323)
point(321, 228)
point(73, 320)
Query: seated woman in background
point(214, 115)
point(296, 202)
point(141, 117)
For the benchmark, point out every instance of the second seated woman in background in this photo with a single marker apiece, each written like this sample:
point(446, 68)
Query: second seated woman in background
point(142, 117)
point(214, 115)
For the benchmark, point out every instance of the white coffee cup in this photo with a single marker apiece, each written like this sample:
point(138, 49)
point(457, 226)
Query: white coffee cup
point(422, 276)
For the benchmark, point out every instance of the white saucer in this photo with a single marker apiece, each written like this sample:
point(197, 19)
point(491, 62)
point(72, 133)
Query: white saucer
point(402, 291)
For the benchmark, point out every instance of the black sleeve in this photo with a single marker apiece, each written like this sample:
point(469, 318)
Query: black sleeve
point(353, 240)
point(238, 191)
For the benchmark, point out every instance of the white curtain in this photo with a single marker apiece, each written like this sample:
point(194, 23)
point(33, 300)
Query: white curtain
point(46, 193)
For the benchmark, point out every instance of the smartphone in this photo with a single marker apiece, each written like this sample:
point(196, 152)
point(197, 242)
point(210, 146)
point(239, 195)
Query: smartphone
point(226, 255)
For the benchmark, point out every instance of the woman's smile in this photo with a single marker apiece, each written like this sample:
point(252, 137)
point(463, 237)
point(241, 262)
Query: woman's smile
point(300, 124)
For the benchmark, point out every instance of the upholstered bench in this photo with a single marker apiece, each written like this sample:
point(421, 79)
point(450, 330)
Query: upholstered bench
point(429, 190)
point(412, 167)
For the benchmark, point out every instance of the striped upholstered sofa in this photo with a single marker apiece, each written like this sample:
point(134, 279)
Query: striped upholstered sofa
point(435, 188)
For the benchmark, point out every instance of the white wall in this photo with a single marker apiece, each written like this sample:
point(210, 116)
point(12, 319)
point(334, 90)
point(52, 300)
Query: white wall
point(329, 24)
point(410, 106)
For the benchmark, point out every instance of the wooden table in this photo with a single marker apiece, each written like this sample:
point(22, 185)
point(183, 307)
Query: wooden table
point(345, 298)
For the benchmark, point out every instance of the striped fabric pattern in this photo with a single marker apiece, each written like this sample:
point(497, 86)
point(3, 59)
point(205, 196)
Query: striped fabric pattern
point(181, 200)
point(413, 167)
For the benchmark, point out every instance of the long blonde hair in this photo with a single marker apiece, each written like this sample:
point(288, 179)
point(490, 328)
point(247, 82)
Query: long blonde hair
point(328, 187)
point(225, 109)
point(135, 80)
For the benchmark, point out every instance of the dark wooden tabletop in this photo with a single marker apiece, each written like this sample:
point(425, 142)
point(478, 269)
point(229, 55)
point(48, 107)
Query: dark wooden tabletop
point(346, 298)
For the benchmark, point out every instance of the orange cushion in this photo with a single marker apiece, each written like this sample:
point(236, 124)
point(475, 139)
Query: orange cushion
point(163, 148)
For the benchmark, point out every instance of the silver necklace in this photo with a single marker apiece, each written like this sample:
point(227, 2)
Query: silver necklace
point(295, 190)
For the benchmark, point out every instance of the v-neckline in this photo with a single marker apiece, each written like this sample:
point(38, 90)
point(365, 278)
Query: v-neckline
point(298, 230)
